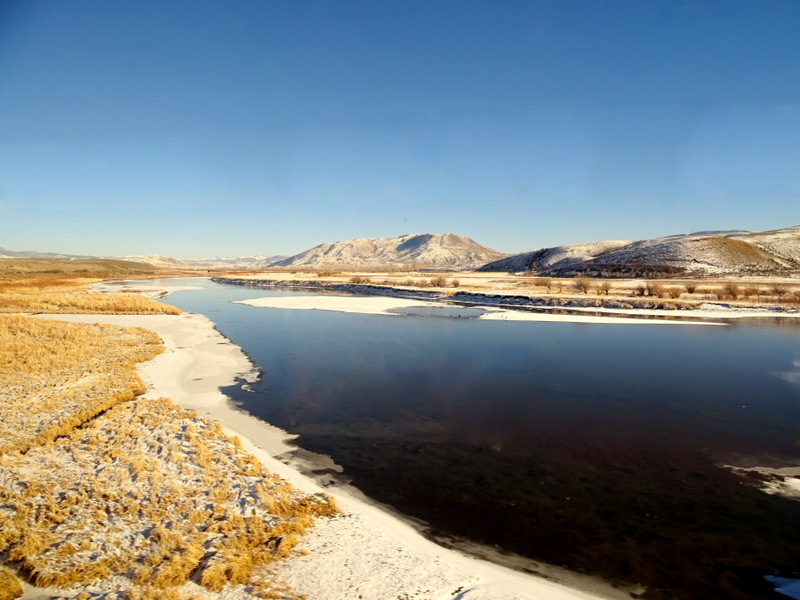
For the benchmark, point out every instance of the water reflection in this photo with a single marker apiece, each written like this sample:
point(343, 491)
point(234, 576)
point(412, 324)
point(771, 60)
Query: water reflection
point(595, 447)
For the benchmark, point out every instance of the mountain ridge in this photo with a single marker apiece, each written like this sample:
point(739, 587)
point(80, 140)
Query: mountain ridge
point(701, 254)
point(431, 250)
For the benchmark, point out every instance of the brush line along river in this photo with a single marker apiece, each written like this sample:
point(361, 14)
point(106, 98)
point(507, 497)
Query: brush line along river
point(594, 447)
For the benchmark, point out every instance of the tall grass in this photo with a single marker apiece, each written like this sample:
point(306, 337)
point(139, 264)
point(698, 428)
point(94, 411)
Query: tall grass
point(83, 303)
point(92, 487)
point(151, 490)
point(54, 375)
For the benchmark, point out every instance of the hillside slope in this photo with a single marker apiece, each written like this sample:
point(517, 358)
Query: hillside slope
point(434, 250)
point(699, 254)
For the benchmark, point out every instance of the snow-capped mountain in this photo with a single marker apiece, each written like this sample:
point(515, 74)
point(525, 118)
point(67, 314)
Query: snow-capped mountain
point(431, 250)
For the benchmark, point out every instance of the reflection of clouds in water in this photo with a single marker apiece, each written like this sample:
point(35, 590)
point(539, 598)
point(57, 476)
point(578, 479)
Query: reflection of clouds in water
point(792, 376)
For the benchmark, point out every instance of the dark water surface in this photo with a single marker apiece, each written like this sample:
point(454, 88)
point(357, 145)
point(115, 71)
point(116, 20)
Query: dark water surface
point(594, 447)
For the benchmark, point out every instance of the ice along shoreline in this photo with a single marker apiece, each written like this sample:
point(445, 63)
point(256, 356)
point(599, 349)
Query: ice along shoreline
point(368, 552)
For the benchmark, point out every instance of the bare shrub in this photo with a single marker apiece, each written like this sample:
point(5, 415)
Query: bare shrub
point(438, 281)
point(359, 279)
point(583, 284)
point(326, 273)
point(604, 287)
point(655, 289)
point(731, 289)
point(690, 286)
point(455, 283)
point(542, 282)
point(779, 289)
point(673, 292)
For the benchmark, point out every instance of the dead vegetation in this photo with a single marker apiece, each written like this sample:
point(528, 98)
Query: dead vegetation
point(152, 491)
point(94, 485)
point(84, 303)
point(55, 376)
point(63, 295)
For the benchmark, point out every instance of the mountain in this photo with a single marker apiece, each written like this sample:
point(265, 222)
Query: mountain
point(431, 250)
point(237, 263)
point(558, 257)
point(696, 254)
point(158, 261)
point(32, 254)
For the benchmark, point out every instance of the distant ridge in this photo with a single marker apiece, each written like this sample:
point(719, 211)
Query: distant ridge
point(33, 254)
point(733, 253)
point(431, 250)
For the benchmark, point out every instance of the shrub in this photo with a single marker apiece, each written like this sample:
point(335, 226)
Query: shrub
point(779, 289)
point(731, 289)
point(583, 284)
point(439, 281)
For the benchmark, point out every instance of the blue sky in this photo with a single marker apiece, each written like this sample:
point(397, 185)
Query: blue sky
point(267, 127)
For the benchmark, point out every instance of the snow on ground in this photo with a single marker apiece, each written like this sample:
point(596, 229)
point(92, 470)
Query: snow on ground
point(383, 304)
point(368, 553)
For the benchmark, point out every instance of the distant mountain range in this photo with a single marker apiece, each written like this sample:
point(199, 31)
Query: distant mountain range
point(696, 254)
point(699, 254)
point(32, 254)
point(163, 262)
point(428, 250)
point(244, 263)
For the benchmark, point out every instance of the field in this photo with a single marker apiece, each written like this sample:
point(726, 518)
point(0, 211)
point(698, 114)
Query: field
point(97, 486)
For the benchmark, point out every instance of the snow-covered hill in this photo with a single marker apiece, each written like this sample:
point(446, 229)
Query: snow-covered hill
point(698, 254)
point(234, 263)
point(432, 250)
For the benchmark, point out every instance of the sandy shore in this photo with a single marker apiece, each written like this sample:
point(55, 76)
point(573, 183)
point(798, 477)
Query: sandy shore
point(367, 553)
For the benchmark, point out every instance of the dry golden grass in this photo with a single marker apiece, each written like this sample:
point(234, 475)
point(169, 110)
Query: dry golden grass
point(153, 491)
point(10, 586)
point(83, 303)
point(38, 285)
point(54, 376)
point(92, 486)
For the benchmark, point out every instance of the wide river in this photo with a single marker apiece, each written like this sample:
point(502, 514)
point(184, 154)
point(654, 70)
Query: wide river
point(593, 447)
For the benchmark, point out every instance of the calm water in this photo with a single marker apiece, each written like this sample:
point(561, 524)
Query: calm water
point(593, 447)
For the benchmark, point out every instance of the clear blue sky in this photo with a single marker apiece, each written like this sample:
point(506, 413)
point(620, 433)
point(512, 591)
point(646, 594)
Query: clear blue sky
point(267, 127)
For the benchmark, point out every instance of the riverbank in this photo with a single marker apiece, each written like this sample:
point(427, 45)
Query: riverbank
point(518, 305)
point(365, 553)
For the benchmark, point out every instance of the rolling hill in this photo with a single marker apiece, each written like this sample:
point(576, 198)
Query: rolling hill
point(774, 252)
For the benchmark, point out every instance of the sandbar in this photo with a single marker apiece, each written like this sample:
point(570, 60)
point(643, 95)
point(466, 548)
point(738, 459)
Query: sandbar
point(386, 305)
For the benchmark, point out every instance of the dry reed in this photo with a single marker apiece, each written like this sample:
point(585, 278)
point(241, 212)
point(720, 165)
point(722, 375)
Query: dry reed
point(169, 497)
point(10, 586)
point(92, 487)
point(54, 376)
point(83, 303)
